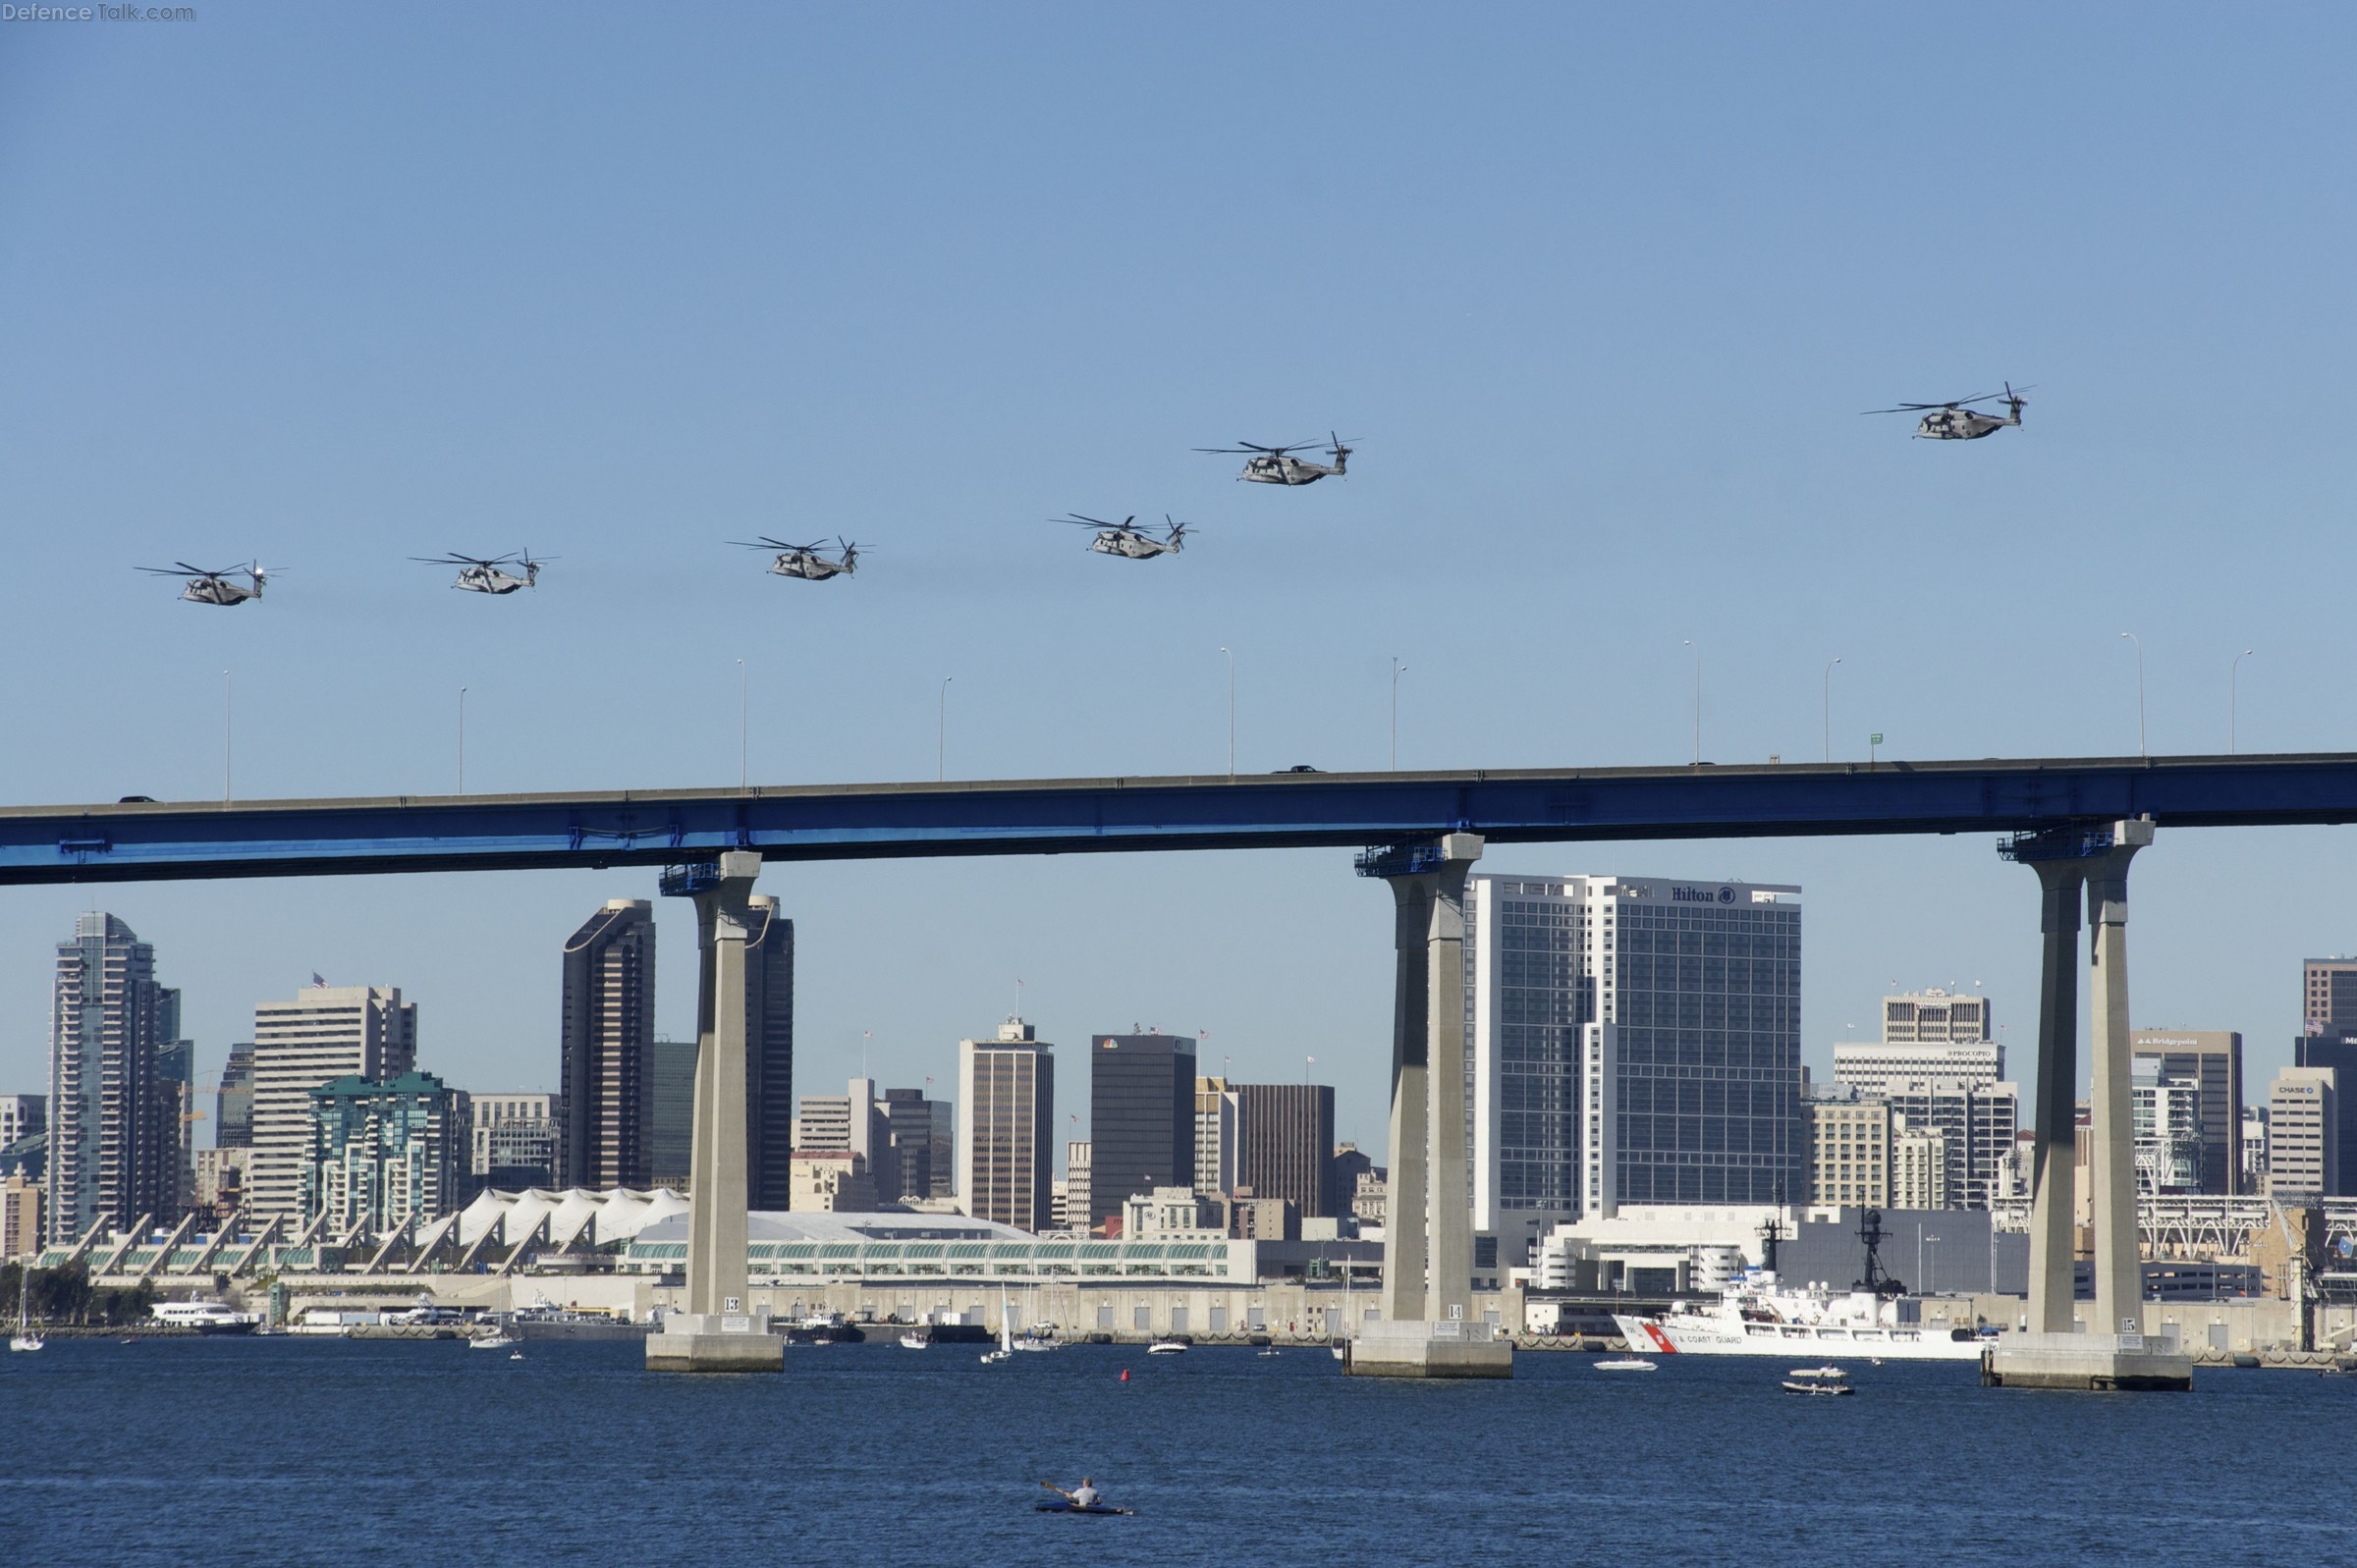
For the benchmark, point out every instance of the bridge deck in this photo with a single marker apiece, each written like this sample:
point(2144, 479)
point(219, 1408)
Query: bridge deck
point(151, 840)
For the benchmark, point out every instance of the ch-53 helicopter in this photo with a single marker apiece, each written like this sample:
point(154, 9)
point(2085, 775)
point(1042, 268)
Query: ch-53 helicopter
point(483, 574)
point(1277, 466)
point(1128, 541)
point(214, 587)
point(1959, 420)
point(805, 561)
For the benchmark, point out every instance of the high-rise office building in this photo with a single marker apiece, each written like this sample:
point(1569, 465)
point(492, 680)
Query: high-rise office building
point(608, 1032)
point(2329, 995)
point(1285, 1144)
point(325, 1033)
point(668, 1082)
point(1077, 1162)
point(23, 1115)
point(109, 1156)
point(20, 1217)
point(1935, 1018)
point(2209, 1061)
point(769, 1058)
point(1214, 1136)
point(1849, 1152)
point(921, 1135)
point(1633, 1040)
point(176, 1117)
point(1919, 1166)
point(515, 1141)
point(1141, 1113)
point(233, 1101)
point(2303, 1135)
point(854, 1120)
point(1005, 1124)
point(1945, 1076)
point(2336, 1052)
point(2167, 1107)
point(382, 1155)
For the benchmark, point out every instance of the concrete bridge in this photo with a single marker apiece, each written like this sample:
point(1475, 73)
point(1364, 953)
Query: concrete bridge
point(2075, 822)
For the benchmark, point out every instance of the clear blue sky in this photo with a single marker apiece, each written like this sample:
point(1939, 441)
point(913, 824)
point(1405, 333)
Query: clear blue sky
point(1599, 290)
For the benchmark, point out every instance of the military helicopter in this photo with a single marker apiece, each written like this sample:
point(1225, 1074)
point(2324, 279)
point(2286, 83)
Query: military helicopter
point(1958, 420)
point(214, 587)
point(1277, 466)
point(1127, 540)
point(479, 574)
point(805, 561)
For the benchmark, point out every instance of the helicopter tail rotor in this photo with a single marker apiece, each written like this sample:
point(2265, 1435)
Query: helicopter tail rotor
point(2013, 403)
point(259, 574)
point(851, 555)
point(1177, 533)
point(1341, 454)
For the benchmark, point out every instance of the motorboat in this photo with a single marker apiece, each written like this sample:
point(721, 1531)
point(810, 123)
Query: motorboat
point(1271, 1351)
point(1626, 1364)
point(915, 1341)
point(1168, 1347)
point(1818, 1380)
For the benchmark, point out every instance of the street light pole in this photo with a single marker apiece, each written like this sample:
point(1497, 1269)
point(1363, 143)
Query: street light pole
point(1829, 710)
point(1397, 670)
point(743, 732)
point(941, 733)
point(1689, 642)
point(1231, 712)
point(2233, 676)
point(228, 695)
point(2139, 642)
point(462, 741)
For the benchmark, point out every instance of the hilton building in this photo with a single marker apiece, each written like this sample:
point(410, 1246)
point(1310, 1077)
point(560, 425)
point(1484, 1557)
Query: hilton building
point(1633, 1040)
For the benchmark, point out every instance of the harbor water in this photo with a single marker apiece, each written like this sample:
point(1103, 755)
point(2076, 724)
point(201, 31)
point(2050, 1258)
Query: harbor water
point(294, 1451)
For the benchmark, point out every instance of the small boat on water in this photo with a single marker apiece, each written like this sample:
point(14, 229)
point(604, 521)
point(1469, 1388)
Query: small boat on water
point(515, 1355)
point(1168, 1347)
point(496, 1339)
point(1819, 1380)
point(913, 1341)
point(1076, 1508)
point(24, 1338)
point(1271, 1351)
point(1625, 1363)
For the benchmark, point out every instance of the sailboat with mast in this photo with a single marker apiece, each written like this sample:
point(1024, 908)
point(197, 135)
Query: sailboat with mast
point(25, 1339)
point(1006, 1350)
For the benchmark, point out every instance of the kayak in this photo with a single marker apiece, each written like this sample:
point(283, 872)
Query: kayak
point(1076, 1508)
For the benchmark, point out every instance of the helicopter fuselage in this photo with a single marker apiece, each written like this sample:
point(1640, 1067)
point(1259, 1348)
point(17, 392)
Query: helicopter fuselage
point(490, 579)
point(217, 591)
point(808, 566)
point(1130, 546)
point(1284, 472)
point(1962, 424)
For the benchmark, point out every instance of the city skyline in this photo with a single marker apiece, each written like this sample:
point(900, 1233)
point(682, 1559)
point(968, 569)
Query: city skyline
point(1728, 321)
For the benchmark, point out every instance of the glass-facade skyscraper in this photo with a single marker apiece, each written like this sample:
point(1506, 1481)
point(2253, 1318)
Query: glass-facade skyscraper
point(114, 1127)
point(1634, 1040)
point(1141, 1118)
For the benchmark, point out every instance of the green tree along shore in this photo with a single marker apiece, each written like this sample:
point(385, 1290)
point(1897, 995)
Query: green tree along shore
point(67, 1296)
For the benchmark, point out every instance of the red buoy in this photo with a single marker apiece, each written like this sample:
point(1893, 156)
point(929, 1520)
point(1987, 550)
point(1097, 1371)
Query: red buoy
point(1125, 1374)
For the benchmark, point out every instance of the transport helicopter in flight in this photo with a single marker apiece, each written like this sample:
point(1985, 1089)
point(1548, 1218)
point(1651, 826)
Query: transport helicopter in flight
point(214, 587)
point(1128, 541)
point(1277, 466)
point(483, 574)
point(806, 560)
point(1960, 421)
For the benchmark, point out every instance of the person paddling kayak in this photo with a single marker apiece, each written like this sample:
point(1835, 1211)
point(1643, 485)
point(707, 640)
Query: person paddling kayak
point(1081, 1500)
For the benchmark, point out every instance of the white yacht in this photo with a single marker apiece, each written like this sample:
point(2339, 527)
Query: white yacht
point(1625, 1363)
point(1168, 1347)
point(206, 1317)
point(1758, 1317)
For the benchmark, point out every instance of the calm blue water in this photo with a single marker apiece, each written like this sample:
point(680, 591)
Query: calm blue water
point(299, 1452)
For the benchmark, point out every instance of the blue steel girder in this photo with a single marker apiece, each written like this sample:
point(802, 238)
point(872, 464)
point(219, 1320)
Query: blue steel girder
point(149, 840)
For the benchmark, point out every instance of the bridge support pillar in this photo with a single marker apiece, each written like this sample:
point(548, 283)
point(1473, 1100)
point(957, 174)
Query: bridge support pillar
point(2052, 1353)
point(719, 1332)
point(1426, 1328)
